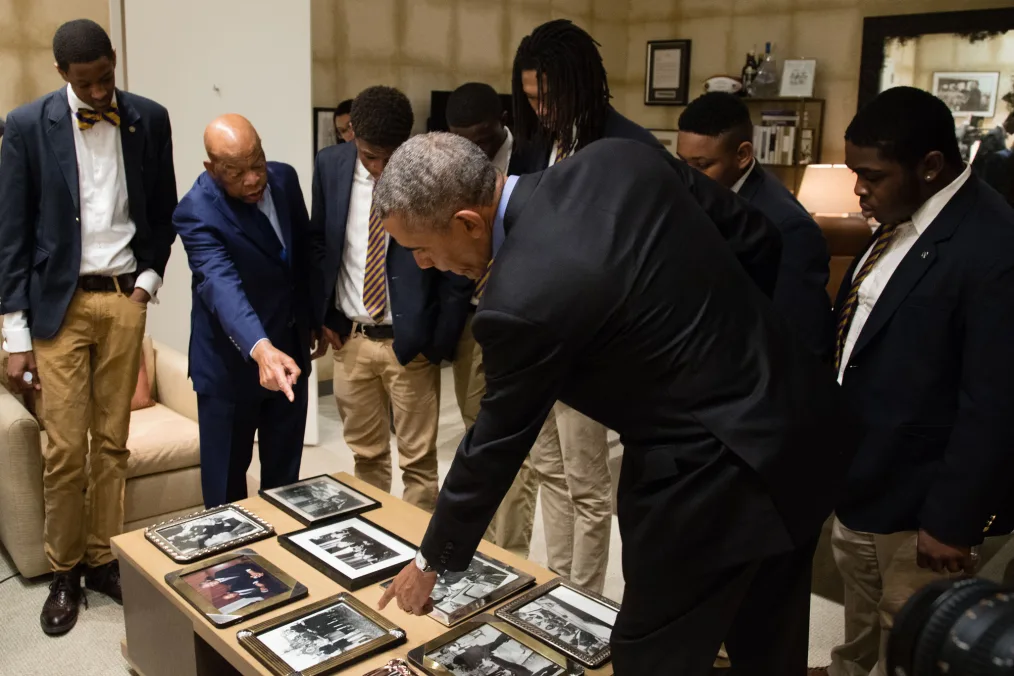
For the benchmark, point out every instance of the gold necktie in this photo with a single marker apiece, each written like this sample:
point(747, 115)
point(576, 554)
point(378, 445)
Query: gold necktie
point(88, 118)
point(375, 281)
point(480, 286)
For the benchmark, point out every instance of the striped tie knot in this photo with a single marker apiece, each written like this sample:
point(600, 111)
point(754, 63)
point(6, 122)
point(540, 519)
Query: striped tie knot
point(88, 118)
point(562, 153)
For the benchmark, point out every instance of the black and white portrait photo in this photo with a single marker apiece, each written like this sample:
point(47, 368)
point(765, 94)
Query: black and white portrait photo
point(320, 636)
point(354, 548)
point(455, 590)
point(353, 551)
point(208, 530)
point(580, 623)
point(967, 93)
point(487, 651)
point(319, 498)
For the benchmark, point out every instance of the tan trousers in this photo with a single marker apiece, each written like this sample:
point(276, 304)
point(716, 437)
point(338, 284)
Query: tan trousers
point(511, 527)
point(571, 458)
point(881, 574)
point(369, 384)
point(88, 374)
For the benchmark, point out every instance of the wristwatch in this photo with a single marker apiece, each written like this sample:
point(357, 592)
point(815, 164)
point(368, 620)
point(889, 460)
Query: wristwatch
point(422, 564)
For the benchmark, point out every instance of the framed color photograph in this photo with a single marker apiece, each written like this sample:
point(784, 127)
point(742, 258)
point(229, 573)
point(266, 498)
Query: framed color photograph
point(234, 587)
point(968, 93)
point(667, 73)
point(353, 552)
point(319, 499)
point(458, 596)
point(324, 132)
point(485, 645)
point(198, 536)
point(321, 638)
point(797, 78)
point(573, 620)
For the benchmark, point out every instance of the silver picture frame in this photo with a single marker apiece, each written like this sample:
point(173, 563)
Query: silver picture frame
point(196, 536)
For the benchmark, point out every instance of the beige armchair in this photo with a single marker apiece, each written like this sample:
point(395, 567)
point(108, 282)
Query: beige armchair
point(163, 473)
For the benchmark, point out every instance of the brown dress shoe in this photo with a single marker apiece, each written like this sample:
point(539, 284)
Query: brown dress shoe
point(59, 613)
point(105, 580)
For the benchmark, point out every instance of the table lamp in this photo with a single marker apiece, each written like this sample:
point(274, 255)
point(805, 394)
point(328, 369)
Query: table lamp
point(829, 190)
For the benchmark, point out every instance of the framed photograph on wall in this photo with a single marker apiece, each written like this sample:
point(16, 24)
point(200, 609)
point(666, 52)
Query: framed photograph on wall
point(324, 133)
point(967, 93)
point(666, 137)
point(797, 78)
point(667, 73)
point(197, 536)
point(319, 499)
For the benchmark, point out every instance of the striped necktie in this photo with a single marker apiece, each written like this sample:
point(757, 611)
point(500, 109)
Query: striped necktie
point(848, 311)
point(375, 279)
point(562, 154)
point(88, 118)
point(480, 286)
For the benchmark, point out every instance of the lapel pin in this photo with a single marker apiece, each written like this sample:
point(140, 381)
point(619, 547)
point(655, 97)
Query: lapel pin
point(925, 254)
point(132, 129)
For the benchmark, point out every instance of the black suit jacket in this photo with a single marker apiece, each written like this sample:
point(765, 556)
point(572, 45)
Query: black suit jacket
point(932, 379)
point(801, 290)
point(615, 293)
point(40, 208)
point(428, 308)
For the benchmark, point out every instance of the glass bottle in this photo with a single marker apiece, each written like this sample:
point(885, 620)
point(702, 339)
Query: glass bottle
point(765, 83)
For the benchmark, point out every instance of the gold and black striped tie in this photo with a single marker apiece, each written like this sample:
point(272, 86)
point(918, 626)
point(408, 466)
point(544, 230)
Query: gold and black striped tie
point(848, 311)
point(375, 279)
point(480, 286)
point(88, 118)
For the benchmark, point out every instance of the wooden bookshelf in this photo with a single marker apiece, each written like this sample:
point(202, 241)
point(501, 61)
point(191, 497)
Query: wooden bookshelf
point(789, 159)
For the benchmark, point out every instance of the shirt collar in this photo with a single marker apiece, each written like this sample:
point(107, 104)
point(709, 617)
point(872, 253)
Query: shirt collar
point(361, 172)
point(738, 185)
point(932, 207)
point(499, 234)
point(76, 103)
point(503, 156)
point(266, 201)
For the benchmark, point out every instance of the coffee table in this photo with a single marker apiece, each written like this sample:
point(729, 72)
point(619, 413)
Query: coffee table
point(166, 636)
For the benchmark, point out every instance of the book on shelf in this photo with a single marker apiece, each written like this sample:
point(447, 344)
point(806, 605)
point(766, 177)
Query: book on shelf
point(775, 144)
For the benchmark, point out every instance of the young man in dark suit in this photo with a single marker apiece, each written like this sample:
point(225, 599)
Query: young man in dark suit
point(611, 289)
point(923, 355)
point(87, 191)
point(716, 138)
point(245, 229)
point(390, 323)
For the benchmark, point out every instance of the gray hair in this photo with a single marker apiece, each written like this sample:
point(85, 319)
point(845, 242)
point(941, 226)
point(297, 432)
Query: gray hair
point(433, 176)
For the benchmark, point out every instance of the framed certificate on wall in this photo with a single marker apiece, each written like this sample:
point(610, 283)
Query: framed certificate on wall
point(667, 73)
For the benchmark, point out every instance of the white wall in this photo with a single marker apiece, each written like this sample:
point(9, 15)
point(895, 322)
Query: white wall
point(203, 58)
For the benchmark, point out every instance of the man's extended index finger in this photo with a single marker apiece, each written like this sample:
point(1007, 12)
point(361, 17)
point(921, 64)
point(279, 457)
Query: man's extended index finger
point(283, 382)
point(386, 598)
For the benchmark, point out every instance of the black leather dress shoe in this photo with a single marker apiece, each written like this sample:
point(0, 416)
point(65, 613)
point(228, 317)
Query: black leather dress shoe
point(105, 580)
point(59, 613)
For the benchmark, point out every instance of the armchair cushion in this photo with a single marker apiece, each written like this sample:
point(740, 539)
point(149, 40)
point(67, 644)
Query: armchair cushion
point(161, 440)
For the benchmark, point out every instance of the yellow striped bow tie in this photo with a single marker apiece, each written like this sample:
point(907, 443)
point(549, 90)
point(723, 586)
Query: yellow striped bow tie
point(88, 118)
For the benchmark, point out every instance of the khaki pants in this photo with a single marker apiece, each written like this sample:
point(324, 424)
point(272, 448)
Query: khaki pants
point(511, 527)
point(88, 374)
point(571, 458)
point(368, 384)
point(881, 574)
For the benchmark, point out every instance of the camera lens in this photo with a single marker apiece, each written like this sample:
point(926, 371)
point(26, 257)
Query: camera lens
point(954, 628)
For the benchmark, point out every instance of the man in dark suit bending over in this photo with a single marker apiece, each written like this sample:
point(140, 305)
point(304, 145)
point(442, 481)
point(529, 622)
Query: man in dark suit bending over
point(716, 138)
point(611, 289)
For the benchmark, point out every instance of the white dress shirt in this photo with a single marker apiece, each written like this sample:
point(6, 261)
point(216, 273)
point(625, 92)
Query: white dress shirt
point(266, 206)
point(738, 185)
point(349, 288)
point(905, 237)
point(503, 156)
point(106, 227)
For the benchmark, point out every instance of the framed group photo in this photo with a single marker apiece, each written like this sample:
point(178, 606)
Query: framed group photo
point(198, 536)
point(319, 499)
point(321, 638)
point(968, 93)
point(573, 620)
point(234, 587)
point(474, 646)
point(353, 552)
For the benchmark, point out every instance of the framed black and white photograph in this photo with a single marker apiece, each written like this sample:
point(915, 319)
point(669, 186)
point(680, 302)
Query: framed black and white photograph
point(319, 499)
point(667, 73)
point(234, 587)
point(968, 93)
point(485, 646)
point(798, 77)
point(321, 638)
point(573, 620)
point(198, 536)
point(353, 552)
point(324, 132)
point(459, 595)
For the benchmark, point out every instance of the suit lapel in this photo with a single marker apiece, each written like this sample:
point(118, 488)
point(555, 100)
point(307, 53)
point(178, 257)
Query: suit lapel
point(61, 142)
point(241, 217)
point(919, 259)
point(752, 185)
point(132, 141)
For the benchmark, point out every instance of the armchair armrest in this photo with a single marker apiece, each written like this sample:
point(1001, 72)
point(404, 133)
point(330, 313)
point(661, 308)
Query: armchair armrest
point(22, 514)
point(173, 384)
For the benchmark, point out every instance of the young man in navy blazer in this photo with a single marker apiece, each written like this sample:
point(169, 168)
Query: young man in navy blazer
point(389, 322)
point(87, 191)
point(716, 138)
point(244, 226)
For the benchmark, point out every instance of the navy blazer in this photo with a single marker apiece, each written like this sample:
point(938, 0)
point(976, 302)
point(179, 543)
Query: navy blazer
point(40, 208)
point(801, 290)
point(244, 289)
point(429, 308)
point(931, 379)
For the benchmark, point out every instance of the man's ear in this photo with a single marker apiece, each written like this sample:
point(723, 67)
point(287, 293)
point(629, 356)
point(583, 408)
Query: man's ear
point(931, 166)
point(744, 154)
point(473, 223)
point(209, 167)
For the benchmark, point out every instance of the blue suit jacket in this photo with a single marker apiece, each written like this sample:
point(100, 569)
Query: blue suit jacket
point(243, 289)
point(429, 308)
point(801, 290)
point(40, 208)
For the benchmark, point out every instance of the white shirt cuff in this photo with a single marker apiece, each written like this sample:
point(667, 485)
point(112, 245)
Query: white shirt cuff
point(255, 346)
point(150, 282)
point(17, 336)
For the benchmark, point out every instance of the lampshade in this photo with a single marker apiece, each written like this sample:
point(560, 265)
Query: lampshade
point(829, 189)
